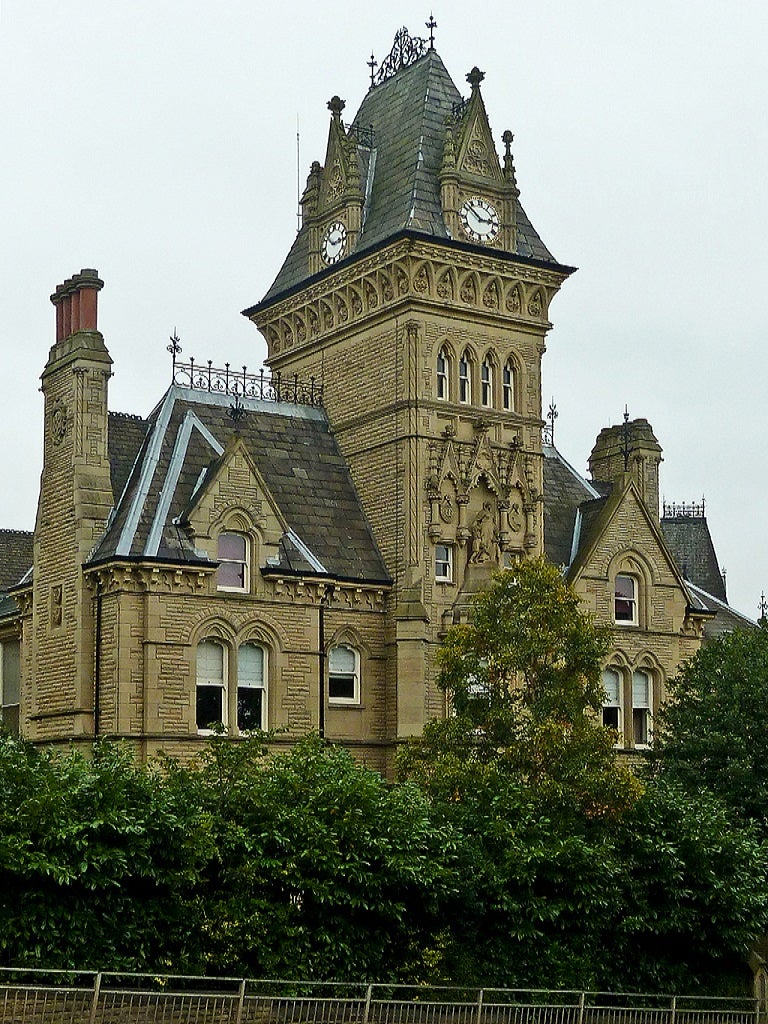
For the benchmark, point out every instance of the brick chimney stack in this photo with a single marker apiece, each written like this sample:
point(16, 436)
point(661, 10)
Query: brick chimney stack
point(76, 304)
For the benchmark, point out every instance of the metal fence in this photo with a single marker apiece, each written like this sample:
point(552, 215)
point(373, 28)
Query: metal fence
point(83, 997)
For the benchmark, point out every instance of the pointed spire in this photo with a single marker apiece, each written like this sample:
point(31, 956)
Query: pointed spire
point(509, 165)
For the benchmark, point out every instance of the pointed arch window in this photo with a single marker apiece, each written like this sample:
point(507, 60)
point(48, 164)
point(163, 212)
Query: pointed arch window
point(443, 365)
point(465, 379)
point(612, 702)
point(343, 675)
point(486, 383)
point(508, 386)
point(211, 693)
point(251, 687)
point(642, 695)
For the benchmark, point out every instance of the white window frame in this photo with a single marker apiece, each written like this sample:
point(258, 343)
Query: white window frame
point(253, 684)
point(624, 599)
point(486, 383)
point(335, 671)
point(443, 375)
point(443, 563)
point(508, 386)
point(465, 379)
point(614, 704)
point(642, 708)
point(244, 562)
point(203, 679)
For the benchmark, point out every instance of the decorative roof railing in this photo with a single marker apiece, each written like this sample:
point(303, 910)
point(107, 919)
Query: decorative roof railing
point(406, 50)
point(365, 136)
point(240, 384)
point(673, 510)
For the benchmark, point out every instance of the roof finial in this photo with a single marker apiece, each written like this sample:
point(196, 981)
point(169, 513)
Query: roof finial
point(549, 430)
point(336, 105)
point(372, 64)
point(509, 165)
point(175, 349)
point(431, 25)
point(475, 77)
point(763, 607)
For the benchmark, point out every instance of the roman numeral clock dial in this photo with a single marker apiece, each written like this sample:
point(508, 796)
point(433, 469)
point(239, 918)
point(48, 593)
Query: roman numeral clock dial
point(333, 242)
point(479, 220)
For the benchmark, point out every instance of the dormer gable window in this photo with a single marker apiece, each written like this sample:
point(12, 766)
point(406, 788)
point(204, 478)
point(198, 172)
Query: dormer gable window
point(625, 600)
point(232, 555)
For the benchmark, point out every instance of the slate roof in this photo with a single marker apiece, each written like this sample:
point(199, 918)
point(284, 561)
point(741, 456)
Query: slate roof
point(564, 492)
point(690, 541)
point(126, 434)
point(725, 617)
point(179, 449)
point(408, 113)
point(15, 556)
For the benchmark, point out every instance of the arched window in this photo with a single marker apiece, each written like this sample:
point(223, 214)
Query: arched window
point(232, 555)
point(486, 383)
point(211, 690)
point(343, 675)
point(465, 379)
point(251, 687)
point(443, 365)
point(10, 685)
point(612, 702)
point(508, 386)
point(642, 697)
point(625, 600)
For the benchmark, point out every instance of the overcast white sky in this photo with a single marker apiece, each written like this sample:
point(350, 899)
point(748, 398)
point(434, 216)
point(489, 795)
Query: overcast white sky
point(156, 141)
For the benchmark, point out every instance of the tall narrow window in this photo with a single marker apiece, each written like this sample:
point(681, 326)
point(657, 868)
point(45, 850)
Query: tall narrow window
point(625, 600)
point(232, 554)
point(10, 685)
point(641, 708)
point(251, 687)
point(486, 383)
point(508, 386)
point(465, 380)
point(612, 701)
point(211, 703)
point(443, 563)
point(442, 375)
point(343, 675)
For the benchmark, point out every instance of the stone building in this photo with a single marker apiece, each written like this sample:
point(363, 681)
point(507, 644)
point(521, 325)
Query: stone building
point(287, 550)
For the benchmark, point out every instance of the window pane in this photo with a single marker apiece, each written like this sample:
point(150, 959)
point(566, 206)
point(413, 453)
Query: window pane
point(232, 546)
point(341, 659)
point(341, 687)
point(250, 665)
point(209, 706)
point(611, 718)
point(210, 662)
point(231, 574)
point(625, 587)
point(641, 690)
point(640, 726)
point(249, 707)
point(11, 675)
point(611, 684)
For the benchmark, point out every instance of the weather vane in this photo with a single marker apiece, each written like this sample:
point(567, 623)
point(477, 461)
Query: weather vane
point(372, 64)
point(627, 436)
point(175, 349)
point(431, 25)
point(236, 411)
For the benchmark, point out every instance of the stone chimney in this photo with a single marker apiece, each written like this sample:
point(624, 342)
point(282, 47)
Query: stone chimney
point(629, 450)
point(74, 503)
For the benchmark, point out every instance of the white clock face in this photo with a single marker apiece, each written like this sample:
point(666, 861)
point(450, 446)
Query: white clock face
point(333, 243)
point(479, 220)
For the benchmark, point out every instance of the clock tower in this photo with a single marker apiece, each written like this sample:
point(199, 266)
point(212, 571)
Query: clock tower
point(418, 292)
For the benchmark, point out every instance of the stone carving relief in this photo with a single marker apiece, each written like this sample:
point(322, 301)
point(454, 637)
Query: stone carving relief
point(484, 536)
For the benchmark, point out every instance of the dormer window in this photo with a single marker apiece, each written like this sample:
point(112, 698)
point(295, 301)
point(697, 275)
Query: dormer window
point(508, 386)
point(465, 380)
point(486, 383)
point(232, 554)
point(442, 375)
point(625, 601)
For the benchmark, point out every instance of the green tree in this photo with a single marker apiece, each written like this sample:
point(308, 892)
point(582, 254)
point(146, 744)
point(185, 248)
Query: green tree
point(525, 688)
point(99, 862)
point(324, 870)
point(713, 731)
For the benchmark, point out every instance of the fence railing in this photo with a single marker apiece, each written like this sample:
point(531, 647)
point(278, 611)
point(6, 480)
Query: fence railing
point(30, 996)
